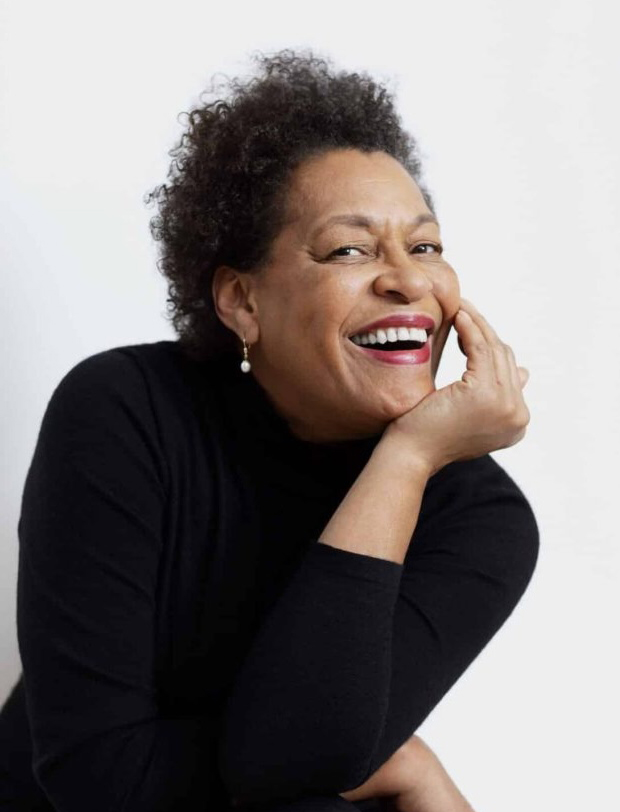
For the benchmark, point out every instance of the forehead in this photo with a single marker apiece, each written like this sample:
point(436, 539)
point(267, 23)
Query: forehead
point(342, 181)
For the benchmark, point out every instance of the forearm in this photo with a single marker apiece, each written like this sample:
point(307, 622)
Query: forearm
point(379, 514)
point(314, 687)
point(310, 700)
point(341, 672)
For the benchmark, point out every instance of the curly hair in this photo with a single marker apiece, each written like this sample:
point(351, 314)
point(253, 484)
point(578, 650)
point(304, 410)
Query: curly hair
point(224, 199)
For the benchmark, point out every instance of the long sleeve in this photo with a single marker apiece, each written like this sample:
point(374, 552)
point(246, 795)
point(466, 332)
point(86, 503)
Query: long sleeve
point(311, 698)
point(361, 649)
point(90, 538)
point(345, 665)
point(471, 559)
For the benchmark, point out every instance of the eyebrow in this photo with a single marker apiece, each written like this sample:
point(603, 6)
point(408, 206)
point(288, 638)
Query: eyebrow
point(362, 221)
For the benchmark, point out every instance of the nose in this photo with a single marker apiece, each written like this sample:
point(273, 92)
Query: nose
point(402, 280)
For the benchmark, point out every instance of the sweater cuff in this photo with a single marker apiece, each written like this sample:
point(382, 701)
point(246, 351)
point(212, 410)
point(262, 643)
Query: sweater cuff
point(354, 565)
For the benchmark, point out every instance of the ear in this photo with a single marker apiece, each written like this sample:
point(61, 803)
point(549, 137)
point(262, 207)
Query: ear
point(235, 302)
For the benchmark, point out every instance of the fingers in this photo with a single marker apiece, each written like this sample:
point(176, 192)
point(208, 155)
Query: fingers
point(485, 328)
point(519, 375)
point(480, 362)
point(512, 368)
point(503, 357)
point(497, 347)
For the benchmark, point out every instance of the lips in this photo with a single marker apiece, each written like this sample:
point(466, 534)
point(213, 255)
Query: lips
point(406, 357)
point(399, 320)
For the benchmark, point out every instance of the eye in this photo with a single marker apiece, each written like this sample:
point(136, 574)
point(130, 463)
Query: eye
point(338, 251)
point(428, 248)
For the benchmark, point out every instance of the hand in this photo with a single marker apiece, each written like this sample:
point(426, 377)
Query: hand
point(482, 412)
point(412, 780)
point(391, 779)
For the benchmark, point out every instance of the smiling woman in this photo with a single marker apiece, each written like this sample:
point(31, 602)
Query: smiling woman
point(359, 249)
point(248, 587)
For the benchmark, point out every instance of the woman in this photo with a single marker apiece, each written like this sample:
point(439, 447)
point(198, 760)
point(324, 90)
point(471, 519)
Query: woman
point(247, 587)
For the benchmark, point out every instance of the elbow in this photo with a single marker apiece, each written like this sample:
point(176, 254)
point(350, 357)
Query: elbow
point(516, 564)
point(525, 554)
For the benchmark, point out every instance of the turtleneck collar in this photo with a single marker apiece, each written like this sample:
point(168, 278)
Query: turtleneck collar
point(317, 468)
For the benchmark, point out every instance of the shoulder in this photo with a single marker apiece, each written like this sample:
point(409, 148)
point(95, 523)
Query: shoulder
point(129, 369)
point(143, 398)
point(147, 379)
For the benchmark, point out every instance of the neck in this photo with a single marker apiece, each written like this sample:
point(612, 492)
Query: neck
point(331, 434)
point(313, 423)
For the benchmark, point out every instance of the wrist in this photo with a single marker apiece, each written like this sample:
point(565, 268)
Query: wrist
point(408, 458)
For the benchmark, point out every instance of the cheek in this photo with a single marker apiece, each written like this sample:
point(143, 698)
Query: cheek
point(326, 307)
point(300, 319)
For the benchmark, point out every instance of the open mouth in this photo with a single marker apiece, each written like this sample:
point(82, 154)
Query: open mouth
point(393, 339)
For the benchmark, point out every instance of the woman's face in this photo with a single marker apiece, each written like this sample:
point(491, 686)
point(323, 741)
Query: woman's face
point(359, 246)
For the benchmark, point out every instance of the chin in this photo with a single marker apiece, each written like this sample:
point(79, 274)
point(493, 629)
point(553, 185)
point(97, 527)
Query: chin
point(391, 408)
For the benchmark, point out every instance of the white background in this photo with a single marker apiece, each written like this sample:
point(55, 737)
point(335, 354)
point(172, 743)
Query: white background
point(514, 106)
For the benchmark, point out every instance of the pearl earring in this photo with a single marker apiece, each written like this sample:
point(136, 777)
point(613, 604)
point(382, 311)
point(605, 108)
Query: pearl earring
point(245, 364)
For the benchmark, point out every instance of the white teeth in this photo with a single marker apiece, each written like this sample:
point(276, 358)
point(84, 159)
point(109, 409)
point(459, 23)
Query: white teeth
point(391, 334)
point(417, 334)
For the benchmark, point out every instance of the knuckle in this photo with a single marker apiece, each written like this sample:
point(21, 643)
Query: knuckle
point(520, 435)
point(526, 416)
point(520, 416)
point(512, 415)
point(509, 351)
point(508, 412)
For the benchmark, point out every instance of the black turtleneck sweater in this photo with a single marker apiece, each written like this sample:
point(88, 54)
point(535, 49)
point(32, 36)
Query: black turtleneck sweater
point(184, 638)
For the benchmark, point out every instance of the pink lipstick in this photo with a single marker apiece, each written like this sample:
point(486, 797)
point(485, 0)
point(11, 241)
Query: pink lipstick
point(420, 356)
point(380, 349)
point(400, 320)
